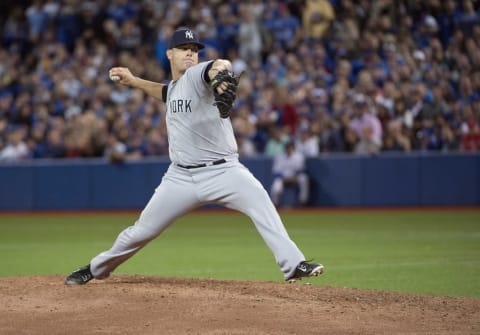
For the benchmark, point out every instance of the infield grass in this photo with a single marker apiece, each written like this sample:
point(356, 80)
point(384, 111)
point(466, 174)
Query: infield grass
point(431, 252)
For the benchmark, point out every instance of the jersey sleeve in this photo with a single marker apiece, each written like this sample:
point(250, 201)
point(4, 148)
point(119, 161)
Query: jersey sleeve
point(205, 72)
point(164, 93)
point(198, 76)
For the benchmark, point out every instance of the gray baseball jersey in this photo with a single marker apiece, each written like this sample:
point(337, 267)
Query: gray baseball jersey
point(198, 135)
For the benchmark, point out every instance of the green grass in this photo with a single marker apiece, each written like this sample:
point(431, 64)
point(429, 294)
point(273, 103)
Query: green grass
point(433, 252)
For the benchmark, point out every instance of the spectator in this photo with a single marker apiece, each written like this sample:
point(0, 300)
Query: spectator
point(276, 142)
point(285, 109)
point(246, 147)
point(471, 131)
point(448, 142)
point(289, 170)
point(307, 143)
point(249, 35)
point(156, 143)
point(121, 10)
point(317, 18)
point(365, 124)
point(16, 148)
point(367, 145)
point(54, 146)
point(15, 32)
point(115, 150)
point(417, 63)
point(227, 29)
point(286, 28)
point(68, 25)
point(395, 138)
point(129, 36)
point(37, 20)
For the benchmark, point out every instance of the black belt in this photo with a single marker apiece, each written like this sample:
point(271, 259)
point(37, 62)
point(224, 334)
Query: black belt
point(220, 161)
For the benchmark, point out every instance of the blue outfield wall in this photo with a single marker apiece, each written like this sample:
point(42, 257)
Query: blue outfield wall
point(336, 180)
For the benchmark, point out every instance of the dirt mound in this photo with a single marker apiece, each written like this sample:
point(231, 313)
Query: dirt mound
point(152, 305)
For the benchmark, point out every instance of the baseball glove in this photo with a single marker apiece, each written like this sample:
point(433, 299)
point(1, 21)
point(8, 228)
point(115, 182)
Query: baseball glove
point(224, 101)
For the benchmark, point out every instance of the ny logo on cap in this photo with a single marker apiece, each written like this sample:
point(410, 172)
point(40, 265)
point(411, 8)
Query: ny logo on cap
point(189, 34)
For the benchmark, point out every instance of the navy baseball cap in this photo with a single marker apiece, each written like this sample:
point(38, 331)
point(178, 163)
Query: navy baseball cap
point(184, 36)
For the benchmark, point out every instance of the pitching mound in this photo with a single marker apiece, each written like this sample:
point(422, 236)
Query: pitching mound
point(152, 305)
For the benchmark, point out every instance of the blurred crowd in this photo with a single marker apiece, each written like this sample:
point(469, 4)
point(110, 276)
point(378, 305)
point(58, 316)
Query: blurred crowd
point(364, 77)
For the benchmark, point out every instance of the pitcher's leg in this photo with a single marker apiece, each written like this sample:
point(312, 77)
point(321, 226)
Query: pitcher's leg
point(170, 201)
point(248, 196)
point(276, 190)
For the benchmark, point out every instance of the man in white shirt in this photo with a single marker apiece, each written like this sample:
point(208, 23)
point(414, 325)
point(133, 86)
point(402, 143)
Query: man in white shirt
point(16, 149)
point(289, 169)
point(308, 143)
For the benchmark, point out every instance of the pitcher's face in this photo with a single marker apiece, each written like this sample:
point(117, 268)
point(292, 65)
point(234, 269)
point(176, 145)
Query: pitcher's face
point(182, 57)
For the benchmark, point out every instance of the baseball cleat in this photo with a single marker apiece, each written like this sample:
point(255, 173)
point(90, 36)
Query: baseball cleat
point(80, 276)
point(306, 269)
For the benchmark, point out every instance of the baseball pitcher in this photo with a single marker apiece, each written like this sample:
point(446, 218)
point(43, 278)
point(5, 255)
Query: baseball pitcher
point(204, 163)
